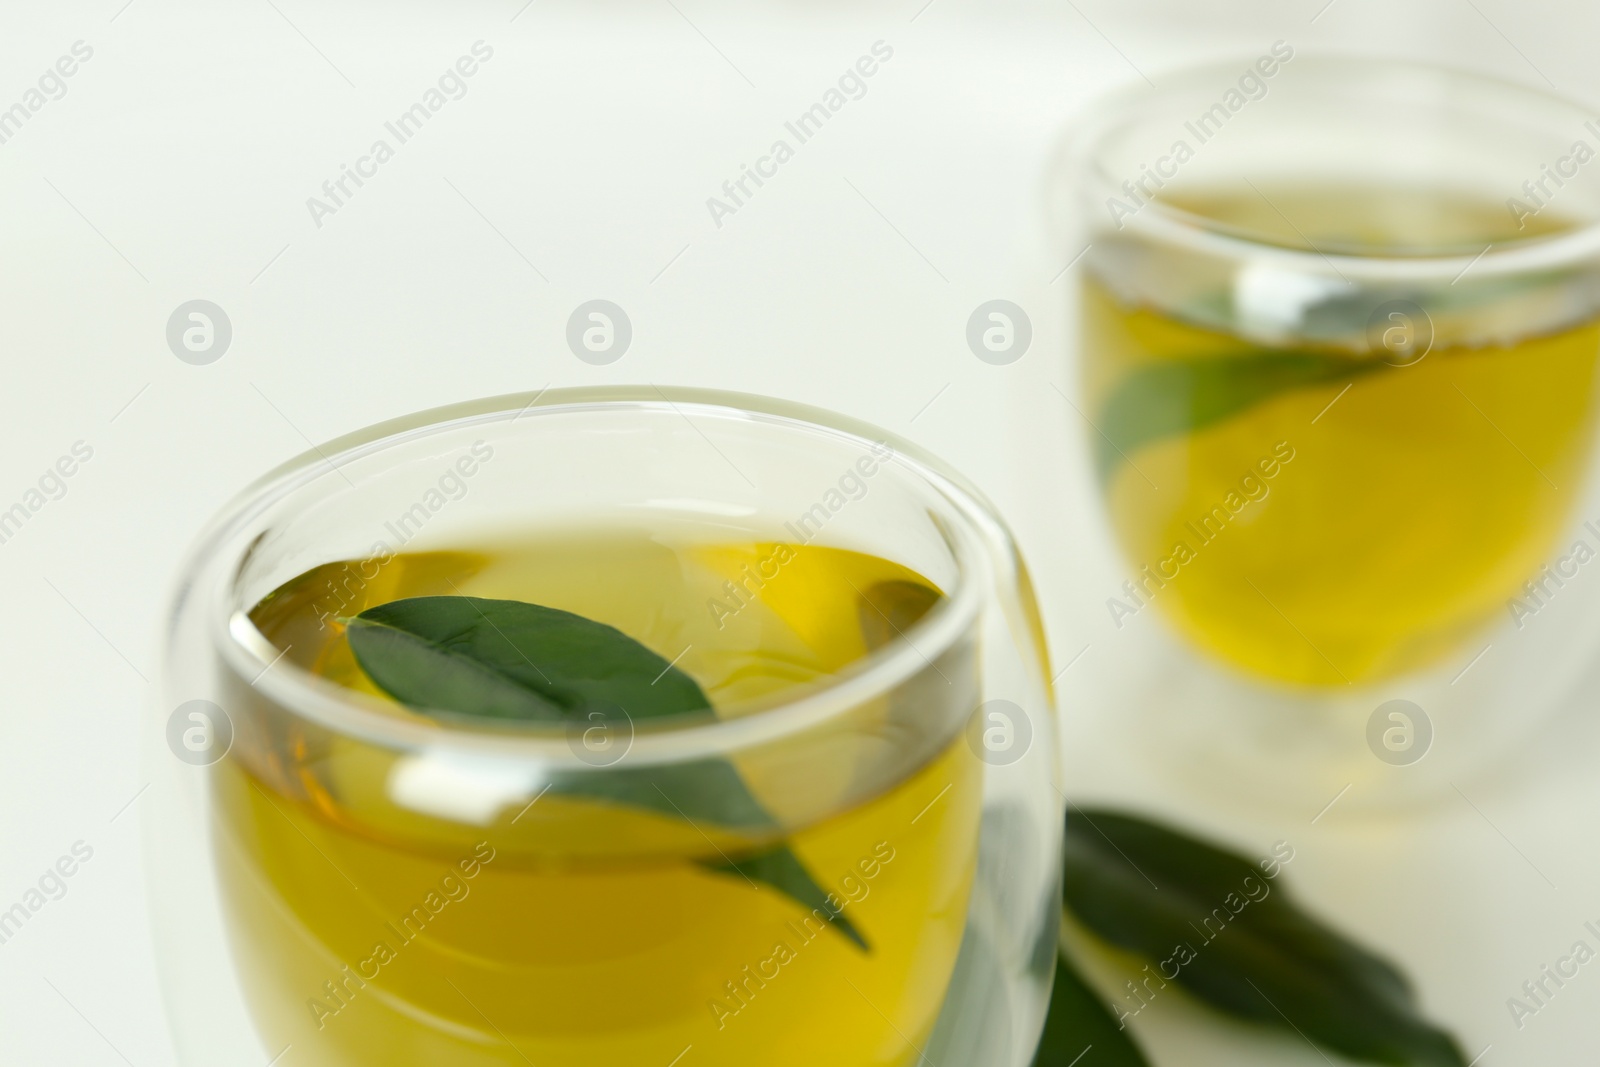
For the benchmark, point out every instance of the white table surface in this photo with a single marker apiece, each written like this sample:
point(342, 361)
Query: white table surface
point(178, 164)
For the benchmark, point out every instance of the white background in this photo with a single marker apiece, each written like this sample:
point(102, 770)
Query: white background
point(178, 165)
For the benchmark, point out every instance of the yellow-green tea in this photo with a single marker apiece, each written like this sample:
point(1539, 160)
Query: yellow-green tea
point(374, 925)
point(1322, 513)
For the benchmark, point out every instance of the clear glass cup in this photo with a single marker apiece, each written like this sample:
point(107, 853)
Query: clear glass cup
point(336, 884)
point(1338, 329)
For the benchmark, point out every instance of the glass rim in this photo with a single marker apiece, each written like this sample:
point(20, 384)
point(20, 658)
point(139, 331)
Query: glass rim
point(245, 652)
point(1079, 156)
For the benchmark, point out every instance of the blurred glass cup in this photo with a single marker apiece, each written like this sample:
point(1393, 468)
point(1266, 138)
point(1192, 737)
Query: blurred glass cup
point(1338, 329)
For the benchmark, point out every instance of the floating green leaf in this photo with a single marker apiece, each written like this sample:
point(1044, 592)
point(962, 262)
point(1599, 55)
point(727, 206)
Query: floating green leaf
point(1237, 941)
point(781, 868)
point(708, 791)
point(506, 659)
point(509, 660)
point(1159, 400)
point(1080, 1030)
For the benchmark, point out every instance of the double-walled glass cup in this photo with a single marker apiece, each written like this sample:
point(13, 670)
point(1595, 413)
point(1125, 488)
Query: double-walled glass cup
point(338, 880)
point(1338, 330)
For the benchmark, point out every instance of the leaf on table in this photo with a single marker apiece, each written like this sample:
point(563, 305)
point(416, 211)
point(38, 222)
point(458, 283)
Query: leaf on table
point(509, 660)
point(1080, 1030)
point(1239, 942)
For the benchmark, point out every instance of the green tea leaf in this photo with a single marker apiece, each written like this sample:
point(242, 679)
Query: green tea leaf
point(510, 660)
point(505, 659)
point(781, 869)
point(1080, 1030)
point(1238, 942)
point(708, 791)
point(1159, 400)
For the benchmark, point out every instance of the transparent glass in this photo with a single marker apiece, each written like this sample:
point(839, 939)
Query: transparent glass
point(1338, 329)
point(339, 884)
